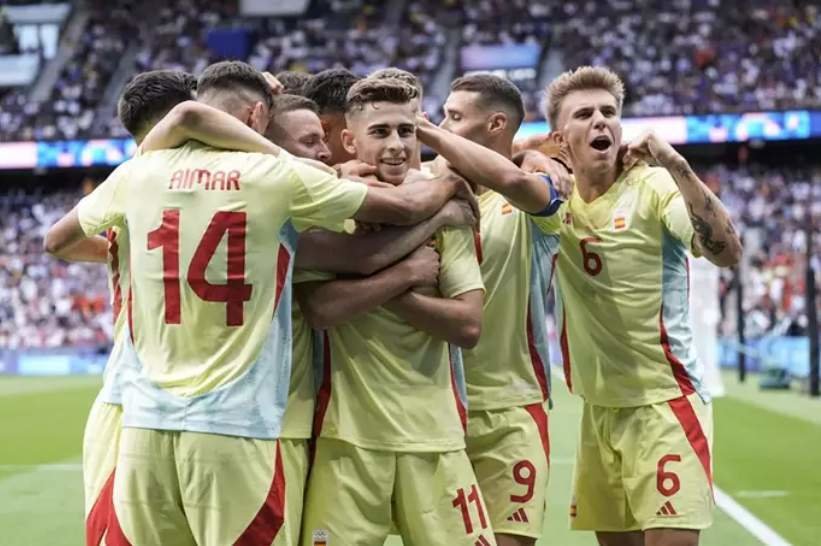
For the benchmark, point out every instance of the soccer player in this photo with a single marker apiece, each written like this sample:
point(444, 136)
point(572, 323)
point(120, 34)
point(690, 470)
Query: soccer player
point(507, 373)
point(293, 83)
point(390, 412)
point(145, 100)
point(328, 89)
point(412, 80)
point(643, 469)
point(207, 356)
point(296, 127)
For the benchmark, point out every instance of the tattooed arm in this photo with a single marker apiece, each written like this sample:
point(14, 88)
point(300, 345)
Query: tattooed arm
point(715, 236)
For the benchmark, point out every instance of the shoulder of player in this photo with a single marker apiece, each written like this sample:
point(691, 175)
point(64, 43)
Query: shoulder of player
point(656, 180)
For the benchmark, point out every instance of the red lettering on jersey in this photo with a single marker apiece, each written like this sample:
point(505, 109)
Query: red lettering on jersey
point(233, 178)
point(219, 178)
point(176, 180)
point(203, 177)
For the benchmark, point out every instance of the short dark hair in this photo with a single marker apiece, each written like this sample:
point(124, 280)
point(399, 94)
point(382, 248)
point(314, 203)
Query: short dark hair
point(494, 92)
point(150, 95)
point(329, 89)
point(289, 103)
point(399, 74)
point(379, 90)
point(231, 75)
point(293, 82)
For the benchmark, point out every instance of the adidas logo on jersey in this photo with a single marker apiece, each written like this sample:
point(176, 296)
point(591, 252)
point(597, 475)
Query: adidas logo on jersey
point(320, 537)
point(667, 510)
point(519, 516)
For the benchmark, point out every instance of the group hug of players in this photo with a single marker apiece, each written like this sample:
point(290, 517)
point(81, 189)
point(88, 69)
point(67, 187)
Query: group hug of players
point(321, 340)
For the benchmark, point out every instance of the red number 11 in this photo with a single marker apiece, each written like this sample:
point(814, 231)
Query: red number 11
point(234, 292)
point(461, 502)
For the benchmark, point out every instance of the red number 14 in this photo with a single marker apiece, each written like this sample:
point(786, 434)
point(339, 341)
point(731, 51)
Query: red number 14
point(234, 292)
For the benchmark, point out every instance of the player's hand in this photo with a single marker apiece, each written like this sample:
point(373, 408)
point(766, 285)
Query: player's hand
point(458, 212)
point(355, 167)
point(650, 148)
point(537, 162)
point(423, 266)
point(276, 86)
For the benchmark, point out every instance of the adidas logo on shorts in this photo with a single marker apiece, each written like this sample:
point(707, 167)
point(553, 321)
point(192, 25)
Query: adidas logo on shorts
point(519, 516)
point(667, 510)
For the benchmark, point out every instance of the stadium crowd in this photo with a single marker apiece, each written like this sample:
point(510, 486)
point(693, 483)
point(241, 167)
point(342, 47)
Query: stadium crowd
point(691, 56)
point(48, 303)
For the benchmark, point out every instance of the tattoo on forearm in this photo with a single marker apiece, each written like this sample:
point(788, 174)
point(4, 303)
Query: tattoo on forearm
point(704, 231)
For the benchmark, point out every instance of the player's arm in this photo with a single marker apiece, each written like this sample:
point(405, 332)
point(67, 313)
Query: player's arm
point(91, 250)
point(66, 239)
point(370, 252)
point(526, 191)
point(95, 213)
point(409, 204)
point(326, 304)
point(715, 236)
point(191, 120)
point(457, 320)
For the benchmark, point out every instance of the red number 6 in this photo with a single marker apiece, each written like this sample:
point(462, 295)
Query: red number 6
point(591, 261)
point(662, 477)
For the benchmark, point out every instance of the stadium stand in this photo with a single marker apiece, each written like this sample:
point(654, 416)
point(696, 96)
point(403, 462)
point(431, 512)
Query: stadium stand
point(717, 57)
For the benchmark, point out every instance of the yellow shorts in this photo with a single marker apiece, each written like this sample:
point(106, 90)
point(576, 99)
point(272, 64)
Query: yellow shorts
point(101, 442)
point(189, 488)
point(644, 467)
point(355, 495)
point(510, 452)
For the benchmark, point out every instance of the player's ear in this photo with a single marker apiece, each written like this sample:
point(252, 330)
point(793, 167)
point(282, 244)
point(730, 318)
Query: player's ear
point(258, 117)
point(496, 123)
point(348, 141)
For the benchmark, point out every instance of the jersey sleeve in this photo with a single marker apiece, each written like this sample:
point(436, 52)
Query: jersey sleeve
point(549, 225)
point(104, 207)
point(310, 275)
point(672, 210)
point(459, 270)
point(321, 199)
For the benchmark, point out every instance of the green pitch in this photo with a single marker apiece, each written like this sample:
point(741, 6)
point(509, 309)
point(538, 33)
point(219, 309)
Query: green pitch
point(766, 456)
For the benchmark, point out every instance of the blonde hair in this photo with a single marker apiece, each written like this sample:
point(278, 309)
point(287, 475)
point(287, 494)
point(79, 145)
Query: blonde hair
point(582, 78)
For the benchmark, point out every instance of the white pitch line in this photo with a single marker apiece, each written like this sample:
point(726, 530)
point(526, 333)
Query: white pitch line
point(755, 526)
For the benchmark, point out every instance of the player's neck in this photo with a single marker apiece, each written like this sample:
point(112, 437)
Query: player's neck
point(593, 183)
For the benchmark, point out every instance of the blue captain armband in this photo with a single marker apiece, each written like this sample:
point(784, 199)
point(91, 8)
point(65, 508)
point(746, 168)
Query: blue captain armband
point(555, 200)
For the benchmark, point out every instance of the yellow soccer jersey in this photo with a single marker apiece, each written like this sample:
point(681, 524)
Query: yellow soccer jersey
point(623, 293)
point(510, 365)
point(386, 385)
point(299, 413)
point(118, 282)
point(211, 244)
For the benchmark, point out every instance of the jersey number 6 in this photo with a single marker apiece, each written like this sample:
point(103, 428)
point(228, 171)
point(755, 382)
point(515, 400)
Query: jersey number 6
point(234, 292)
point(591, 261)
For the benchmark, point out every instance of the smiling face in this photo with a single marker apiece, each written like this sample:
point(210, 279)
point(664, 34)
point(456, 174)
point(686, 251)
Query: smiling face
point(383, 134)
point(590, 125)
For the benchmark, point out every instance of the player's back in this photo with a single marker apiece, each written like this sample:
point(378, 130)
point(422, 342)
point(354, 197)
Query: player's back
point(209, 301)
point(205, 229)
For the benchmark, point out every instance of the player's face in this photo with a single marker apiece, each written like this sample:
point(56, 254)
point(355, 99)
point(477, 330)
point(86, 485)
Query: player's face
point(384, 134)
point(590, 125)
point(333, 125)
point(464, 117)
point(301, 134)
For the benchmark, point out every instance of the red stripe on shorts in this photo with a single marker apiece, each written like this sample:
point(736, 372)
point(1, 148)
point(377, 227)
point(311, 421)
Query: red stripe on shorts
point(102, 520)
point(539, 416)
point(477, 244)
point(686, 415)
point(535, 359)
point(271, 516)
